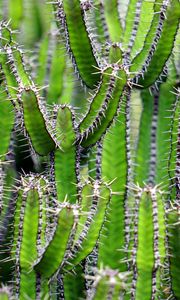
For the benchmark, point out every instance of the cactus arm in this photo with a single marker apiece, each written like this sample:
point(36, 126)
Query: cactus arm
point(164, 46)
point(65, 158)
point(112, 20)
point(35, 123)
point(7, 37)
point(115, 54)
point(65, 128)
point(152, 35)
point(100, 22)
point(90, 233)
point(9, 76)
point(81, 49)
point(26, 251)
point(154, 64)
point(16, 55)
point(114, 169)
point(145, 259)
point(30, 236)
point(149, 243)
point(134, 7)
point(145, 19)
point(97, 100)
point(108, 111)
point(86, 203)
point(58, 244)
point(65, 165)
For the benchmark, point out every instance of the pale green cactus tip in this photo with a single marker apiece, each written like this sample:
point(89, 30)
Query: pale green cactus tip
point(108, 283)
point(5, 293)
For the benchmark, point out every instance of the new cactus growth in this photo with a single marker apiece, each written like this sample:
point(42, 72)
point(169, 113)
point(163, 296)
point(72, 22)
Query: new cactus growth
point(89, 150)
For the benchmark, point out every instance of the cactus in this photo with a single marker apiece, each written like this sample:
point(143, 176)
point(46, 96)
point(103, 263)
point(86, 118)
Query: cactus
point(89, 149)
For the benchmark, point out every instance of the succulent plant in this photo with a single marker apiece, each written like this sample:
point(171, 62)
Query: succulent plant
point(89, 149)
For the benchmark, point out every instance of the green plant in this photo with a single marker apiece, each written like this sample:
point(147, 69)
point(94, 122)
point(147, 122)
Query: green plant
point(89, 174)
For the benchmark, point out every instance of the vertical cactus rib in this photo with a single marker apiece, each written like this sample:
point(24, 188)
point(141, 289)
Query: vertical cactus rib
point(153, 141)
point(28, 248)
point(161, 47)
point(132, 22)
point(149, 243)
point(135, 26)
point(80, 49)
point(167, 108)
point(100, 23)
point(115, 170)
point(143, 150)
point(141, 27)
point(174, 248)
point(173, 160)
point(35, 123)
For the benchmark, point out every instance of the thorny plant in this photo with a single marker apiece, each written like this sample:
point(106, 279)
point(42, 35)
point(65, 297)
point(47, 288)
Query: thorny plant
point(89, 149)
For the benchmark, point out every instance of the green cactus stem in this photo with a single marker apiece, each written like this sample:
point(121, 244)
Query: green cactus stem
point(81, 51)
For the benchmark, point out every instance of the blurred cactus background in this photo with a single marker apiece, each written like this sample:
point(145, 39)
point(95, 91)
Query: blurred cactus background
point(90, 150)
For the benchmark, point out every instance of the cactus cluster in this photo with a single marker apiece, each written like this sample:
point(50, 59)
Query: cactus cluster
point(89, 149)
